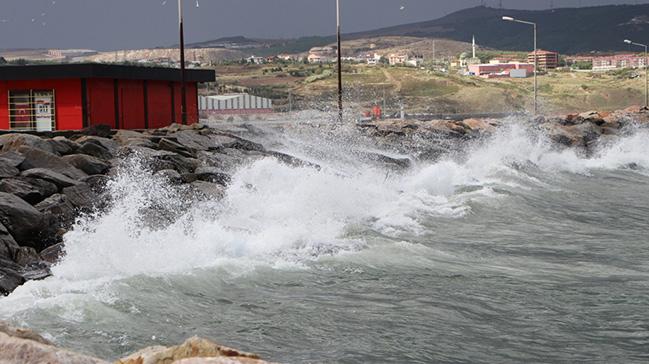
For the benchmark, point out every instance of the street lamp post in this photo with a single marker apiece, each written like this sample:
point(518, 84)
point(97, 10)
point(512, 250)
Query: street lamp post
point(183, 87)
point(536, 59)
point(646, 70)
point(340, 66)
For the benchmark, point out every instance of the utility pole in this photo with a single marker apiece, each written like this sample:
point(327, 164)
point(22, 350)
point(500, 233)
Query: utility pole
point(340, 64)
point(646, 70)
point(183, 86)
point(536, 59)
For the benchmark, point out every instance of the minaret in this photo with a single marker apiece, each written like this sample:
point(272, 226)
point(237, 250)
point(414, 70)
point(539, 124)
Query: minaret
point(474, 46)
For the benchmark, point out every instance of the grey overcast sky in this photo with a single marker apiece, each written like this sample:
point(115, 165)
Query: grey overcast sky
point(123, 24)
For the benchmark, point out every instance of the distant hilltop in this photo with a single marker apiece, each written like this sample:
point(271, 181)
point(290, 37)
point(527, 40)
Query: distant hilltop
point(567, 30)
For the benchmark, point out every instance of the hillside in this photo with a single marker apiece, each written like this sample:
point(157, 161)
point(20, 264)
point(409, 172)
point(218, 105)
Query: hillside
point(567, 30)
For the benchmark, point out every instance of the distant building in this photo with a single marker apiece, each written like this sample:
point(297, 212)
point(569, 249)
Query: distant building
point(501, 70)
point(607, 63)
point(322, 55)
point(396, 59)
point(236, 104)
point(70, 53)
point(547, 60)
point(256, 60)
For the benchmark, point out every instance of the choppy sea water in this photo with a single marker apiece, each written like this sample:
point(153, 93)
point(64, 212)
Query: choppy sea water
point(512, 251)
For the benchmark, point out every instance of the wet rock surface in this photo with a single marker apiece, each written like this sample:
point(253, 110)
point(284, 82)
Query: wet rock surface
point(24, 346)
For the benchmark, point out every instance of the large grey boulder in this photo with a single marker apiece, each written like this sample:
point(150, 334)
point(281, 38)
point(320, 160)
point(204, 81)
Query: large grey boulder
point(24, 222)
point(13, 142)
point(35, 158)
point(8, 245)
point(12, 158)
point(89, 164)
point(171, 146)
point(111, 145)
point(192, 140)
point(10, 279)
point(32, 190)
point(63, 146)
point(57, 178)
point(95, 150)
point(7, 170)
point(60, 212)
point(81, 196)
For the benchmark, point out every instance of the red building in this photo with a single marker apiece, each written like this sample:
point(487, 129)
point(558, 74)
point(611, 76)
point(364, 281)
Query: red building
point(74, 96)
point(548, 60)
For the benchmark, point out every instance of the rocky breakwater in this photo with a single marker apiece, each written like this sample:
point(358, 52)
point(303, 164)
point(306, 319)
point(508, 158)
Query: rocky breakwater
point(583, 131)
point(23, 346)
point(48, 180)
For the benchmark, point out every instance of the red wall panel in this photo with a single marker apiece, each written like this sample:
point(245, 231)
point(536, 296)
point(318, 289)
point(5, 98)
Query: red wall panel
point(67, 99)
point(192, 102)
point(101, 102)
point(131, 104)
point(159, 95)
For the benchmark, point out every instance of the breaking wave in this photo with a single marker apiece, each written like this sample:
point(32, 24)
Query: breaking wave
point(286, 217)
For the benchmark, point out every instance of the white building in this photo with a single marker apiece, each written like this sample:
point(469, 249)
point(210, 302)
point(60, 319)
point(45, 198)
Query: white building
point(234, 104)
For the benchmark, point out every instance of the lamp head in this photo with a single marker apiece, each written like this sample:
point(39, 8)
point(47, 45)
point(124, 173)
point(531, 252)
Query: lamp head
point(508, 18)
point(627, 41)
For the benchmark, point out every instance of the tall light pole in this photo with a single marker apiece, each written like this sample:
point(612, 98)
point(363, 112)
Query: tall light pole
point(536, 60)
point(183, 87)
point(340, 64)
point(646, 71)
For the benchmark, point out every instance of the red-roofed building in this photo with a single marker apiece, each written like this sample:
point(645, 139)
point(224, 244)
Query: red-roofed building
point(548, 60)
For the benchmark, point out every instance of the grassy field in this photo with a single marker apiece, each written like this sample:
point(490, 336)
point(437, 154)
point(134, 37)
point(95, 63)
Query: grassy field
point(424, 90)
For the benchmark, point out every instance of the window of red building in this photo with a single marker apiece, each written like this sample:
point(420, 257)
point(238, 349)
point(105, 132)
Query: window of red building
point(32, 110)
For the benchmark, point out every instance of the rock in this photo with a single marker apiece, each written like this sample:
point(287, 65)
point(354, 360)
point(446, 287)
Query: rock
point(59, 209)
point(171, 146)
point(81, 196)
point(292, 161)
point(207, 190)
point(170, 175)
point(32, 190)
point(220, 140)
point(221, 360)
point(194, 141)
point(13, 142)
point(7, 170)
point(144, 152)
point(24, 222)
point(10, 279)
point(34, 350)
point(26, 256)
point(35, 158)
point(53, 253)
point(97, 183)
point(181, 164)
point(87, 163)
point(8, 245)
point(23, 334)
point(124, 136)
point(192, 348)
point(479, 125)
point(58, 179)
point(95, 150)
point(62, 145)
point(12, 158)
point(101, 130)
point(245, 145)
point(147, 143)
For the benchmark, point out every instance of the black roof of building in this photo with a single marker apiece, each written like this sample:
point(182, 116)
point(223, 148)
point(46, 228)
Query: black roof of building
point(98, 70)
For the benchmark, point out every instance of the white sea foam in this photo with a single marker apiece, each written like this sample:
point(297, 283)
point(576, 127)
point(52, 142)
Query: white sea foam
point(283, 216)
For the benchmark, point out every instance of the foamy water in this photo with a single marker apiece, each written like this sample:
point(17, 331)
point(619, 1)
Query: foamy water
point(424, 255)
